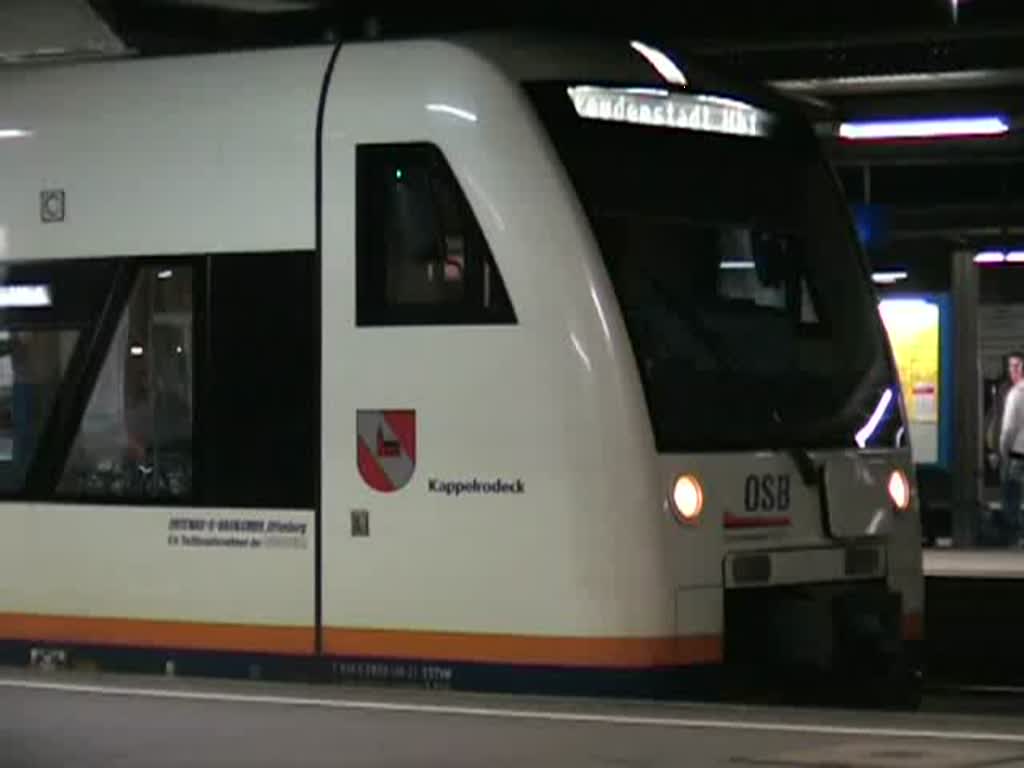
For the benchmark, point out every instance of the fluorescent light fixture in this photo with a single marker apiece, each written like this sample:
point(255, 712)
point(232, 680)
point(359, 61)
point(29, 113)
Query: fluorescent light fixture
point(164, 274)
point(736, 265)
point(989, 257)
point(447, 109)
point(14, 133)
point(662, 64)
point(926, 128)
point(670, 110)
point(887, 278)
point(864, 433)
point(999, 257)
point(136, 350)
point(24, 296)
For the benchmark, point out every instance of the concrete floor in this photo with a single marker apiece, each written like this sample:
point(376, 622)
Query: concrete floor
point(75, 719)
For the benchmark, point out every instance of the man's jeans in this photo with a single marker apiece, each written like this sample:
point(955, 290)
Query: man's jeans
point(1008, 522)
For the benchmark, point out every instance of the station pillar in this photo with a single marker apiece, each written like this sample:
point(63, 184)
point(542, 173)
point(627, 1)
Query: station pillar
point(967, 453)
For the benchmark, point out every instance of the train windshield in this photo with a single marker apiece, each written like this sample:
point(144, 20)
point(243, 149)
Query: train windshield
point(727, 240)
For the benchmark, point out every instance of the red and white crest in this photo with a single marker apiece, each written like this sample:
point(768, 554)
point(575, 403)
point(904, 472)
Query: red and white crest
point(386, 448)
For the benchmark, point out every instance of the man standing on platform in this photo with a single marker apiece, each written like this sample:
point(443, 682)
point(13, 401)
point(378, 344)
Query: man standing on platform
point(1008, 412)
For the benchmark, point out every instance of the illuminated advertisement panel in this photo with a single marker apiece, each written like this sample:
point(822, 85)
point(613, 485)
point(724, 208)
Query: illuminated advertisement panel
point(914, 329)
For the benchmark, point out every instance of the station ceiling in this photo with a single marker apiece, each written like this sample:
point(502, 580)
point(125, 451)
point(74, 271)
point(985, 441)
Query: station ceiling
point(855, 58)
point(791, 35)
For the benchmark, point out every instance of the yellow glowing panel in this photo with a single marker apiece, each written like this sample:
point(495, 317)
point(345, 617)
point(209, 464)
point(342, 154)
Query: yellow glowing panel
point(913, 328)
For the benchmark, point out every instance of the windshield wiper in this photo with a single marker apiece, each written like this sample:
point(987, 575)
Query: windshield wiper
point(800, 455)
point(808, 469)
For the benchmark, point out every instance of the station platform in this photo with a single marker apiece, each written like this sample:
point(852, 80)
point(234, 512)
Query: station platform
point(59, 719)
point(987, 563)
point(974, 627)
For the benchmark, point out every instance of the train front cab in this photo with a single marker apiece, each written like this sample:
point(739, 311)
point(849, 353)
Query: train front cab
point(774, 405)
point(837, 606)
point(666, 283)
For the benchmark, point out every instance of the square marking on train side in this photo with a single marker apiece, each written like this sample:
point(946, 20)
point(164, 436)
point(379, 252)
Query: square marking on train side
point(52, 206)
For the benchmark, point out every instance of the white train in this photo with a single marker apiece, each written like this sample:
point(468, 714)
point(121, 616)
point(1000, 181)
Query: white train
point(438, 360)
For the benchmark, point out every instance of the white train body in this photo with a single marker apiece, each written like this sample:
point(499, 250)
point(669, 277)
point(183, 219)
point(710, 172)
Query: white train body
point(528, 519)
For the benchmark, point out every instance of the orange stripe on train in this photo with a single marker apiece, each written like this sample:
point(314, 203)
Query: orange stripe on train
point(141, 633)
point(624, 653)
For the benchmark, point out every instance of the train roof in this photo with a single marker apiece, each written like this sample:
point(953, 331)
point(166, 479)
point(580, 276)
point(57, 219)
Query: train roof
point(216, 151)
point(522, 56)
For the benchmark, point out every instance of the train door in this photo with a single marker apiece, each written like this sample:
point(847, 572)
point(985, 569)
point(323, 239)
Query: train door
point(409, 285)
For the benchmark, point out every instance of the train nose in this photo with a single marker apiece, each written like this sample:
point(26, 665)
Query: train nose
point(851, 634)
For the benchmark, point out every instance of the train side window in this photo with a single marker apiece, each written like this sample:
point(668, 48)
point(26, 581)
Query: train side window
point(47, 313)
point(135, 437)
point(33, 365)
point(421, 256)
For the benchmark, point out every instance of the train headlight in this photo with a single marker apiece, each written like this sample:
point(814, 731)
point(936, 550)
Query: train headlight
point(899, 489)
point(687, 498)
